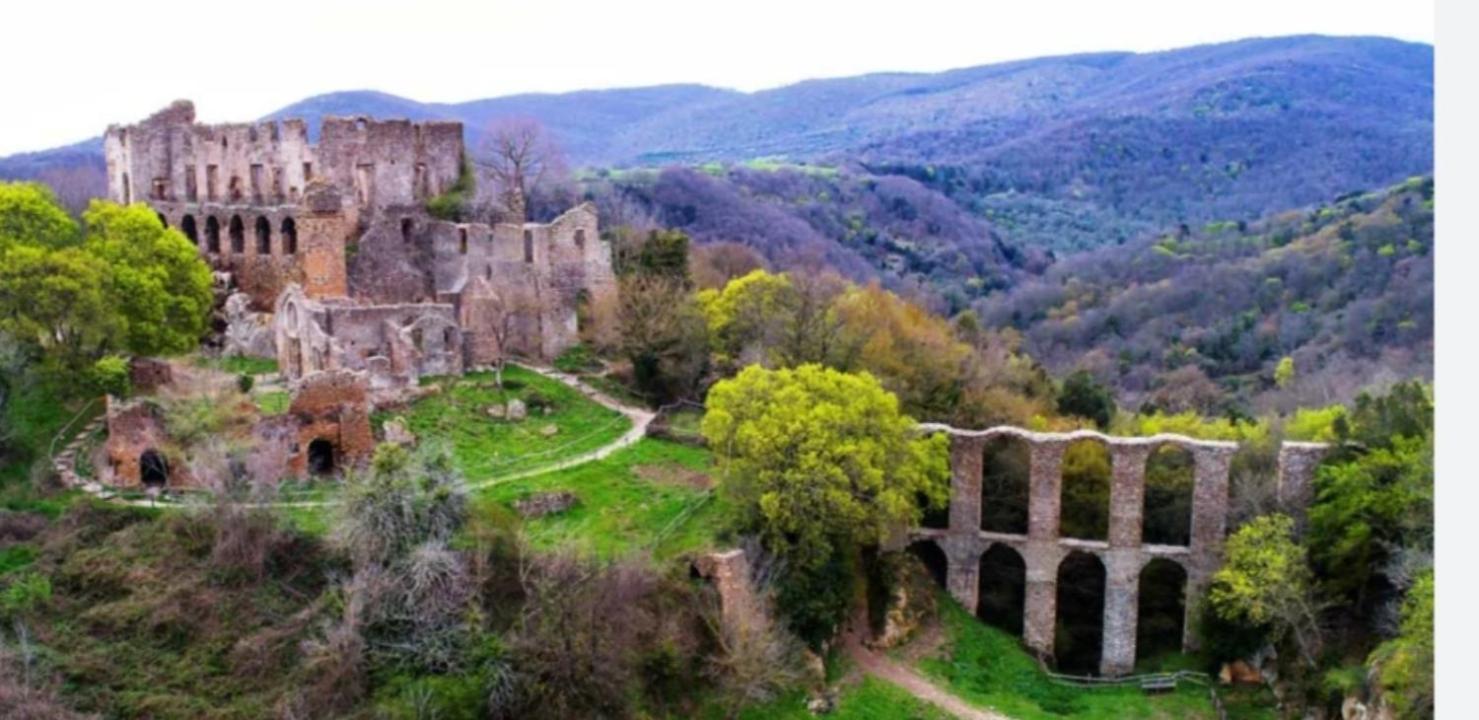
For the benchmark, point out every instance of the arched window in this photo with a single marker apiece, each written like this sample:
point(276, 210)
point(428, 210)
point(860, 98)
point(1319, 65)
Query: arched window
point(1080, 627)
point(264, 236)
point(1170, 473)
point(1085, 491)
point(1161, 610)
point(528, 246)
point(187, 225)
point(238, 235)
point(289, 236)
point(1004, 485)
point(407, 225)
point(212, 235)
point(1003, 589)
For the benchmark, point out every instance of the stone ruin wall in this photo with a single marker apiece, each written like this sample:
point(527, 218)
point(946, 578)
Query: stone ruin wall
point(1123, 554)
point(388, 163)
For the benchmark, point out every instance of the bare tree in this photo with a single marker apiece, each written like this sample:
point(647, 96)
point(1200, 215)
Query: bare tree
point(520, 156)
point(504, 314)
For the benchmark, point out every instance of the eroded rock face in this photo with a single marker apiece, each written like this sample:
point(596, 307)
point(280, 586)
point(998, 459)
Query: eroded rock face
point(911, 601)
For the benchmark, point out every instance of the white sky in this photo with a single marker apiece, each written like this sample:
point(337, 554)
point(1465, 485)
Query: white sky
point(74, 67)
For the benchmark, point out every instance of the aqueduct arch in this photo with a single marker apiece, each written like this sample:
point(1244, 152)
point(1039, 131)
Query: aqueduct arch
point(1123, 554)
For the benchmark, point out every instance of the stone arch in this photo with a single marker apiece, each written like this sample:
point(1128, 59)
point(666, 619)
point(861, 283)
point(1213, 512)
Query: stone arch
point(929, 553)
point(289, 236)
point(153, 469)
point(1161, 620)
point(1006, 470)
point(1084, 504)
point(212, 235)
point(1170, 475)
point(1002, 594)
point(237, 232)
point(528, 246)
point(1078, 638)
point(187, 226)
point(321, 457)
point(264, 236)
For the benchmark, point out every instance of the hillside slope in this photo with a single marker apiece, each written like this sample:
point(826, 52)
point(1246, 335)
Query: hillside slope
point(1345, 290)
point(1064, 153)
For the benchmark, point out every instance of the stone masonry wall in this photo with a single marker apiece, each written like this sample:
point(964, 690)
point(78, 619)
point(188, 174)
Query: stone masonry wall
point(1123, 554)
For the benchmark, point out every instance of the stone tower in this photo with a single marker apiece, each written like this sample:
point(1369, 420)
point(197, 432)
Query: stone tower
point(322, 231)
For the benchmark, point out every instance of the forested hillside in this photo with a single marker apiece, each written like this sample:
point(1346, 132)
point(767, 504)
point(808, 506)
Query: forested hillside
point(1343, 290)
point(1064, 153)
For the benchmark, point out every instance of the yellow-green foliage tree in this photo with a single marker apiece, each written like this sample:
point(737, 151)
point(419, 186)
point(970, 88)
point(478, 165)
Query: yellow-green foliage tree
point(1403, 666)
point(818, 463)
point(748, 314)
point(912, 351)
point(813, 457)
point(1266, 582)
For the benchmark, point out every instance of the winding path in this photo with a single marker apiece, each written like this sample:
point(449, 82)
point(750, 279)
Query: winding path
point(886, 669)
point(65, 462)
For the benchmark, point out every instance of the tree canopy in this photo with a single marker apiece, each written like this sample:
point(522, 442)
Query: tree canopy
point(816, 457)
point(121, 282)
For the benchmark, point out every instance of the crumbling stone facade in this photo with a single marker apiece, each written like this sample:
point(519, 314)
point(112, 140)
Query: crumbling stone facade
point(343, 221)
point(1124, 555)
point(331, 410)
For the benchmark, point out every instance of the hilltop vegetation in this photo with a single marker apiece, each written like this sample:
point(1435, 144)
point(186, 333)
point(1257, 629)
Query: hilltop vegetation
point(1343, 290)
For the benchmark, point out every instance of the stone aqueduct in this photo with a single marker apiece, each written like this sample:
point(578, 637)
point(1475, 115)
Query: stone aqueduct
point(1123, 555)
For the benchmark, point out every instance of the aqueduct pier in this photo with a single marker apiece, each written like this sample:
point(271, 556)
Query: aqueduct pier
point(1123, 555)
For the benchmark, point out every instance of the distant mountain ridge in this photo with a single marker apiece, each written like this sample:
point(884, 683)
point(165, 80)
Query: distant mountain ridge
point(1063, 152)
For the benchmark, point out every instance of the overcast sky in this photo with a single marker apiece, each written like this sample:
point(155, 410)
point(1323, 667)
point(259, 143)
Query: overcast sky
point(73, 67)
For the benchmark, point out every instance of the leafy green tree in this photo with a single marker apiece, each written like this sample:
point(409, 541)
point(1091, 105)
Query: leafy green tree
point(1266, 581)
point(815, 458)
point(157, 282)
point(663, 333)
point(31, 215)
point(748, 312)
point(1083, 396)
point(1403, 666)
point(819, 462)
point(1284, 372)
point(56, 303)
point(1366, 507)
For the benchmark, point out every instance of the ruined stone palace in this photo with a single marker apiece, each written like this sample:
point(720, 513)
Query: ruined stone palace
point(956, 548)
point(329, 261)
point(331, 243)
